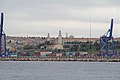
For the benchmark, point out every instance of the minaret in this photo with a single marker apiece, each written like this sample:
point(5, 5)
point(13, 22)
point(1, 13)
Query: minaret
point(66, 35)
point(48, 37)
point(60, 38)
point(59, 32)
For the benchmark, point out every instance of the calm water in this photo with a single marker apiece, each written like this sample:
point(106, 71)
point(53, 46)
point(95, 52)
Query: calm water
point(12, 70)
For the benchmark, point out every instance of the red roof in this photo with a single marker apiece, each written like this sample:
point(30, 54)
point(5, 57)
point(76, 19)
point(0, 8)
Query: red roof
point(42, 50)
point(116, 39)
point(80, 38)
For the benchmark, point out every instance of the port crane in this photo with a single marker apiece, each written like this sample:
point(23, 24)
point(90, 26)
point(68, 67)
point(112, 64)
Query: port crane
point(107, 42)
point(2, 38)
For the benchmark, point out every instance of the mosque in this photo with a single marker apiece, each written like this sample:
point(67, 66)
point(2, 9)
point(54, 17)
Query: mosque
point(61, 41)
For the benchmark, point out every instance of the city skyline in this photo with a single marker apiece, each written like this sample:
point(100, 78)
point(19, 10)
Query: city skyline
point(40, 17)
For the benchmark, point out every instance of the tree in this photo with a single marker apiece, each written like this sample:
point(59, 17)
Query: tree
point(28, 47)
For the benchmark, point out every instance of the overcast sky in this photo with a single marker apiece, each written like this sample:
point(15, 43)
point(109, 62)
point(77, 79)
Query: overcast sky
point(40, 17)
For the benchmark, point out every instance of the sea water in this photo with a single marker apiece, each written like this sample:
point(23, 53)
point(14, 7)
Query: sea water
point(59, 70)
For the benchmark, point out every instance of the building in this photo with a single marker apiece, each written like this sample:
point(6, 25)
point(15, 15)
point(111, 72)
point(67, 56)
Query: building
point(79, 39)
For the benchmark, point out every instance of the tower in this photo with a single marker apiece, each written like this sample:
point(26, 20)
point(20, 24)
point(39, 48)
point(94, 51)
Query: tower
point(60, 38)
point(66, 35)
point(48, 37)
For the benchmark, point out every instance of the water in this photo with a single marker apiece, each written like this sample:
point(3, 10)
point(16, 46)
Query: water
point(37, 70)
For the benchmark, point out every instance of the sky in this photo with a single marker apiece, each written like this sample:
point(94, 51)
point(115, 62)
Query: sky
point(75, 17)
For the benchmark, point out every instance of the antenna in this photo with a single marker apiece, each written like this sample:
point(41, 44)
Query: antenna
point(90, 28)
point(90, 32)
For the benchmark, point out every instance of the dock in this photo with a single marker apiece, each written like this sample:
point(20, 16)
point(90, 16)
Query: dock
point(85, 59)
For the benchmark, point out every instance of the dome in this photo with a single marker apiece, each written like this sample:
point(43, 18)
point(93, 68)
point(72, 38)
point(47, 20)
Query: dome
point(71, 36)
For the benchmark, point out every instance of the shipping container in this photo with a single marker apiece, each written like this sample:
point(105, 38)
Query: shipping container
point(43, 53)
point(83, 53)
point(77, 54)
point(12, 54)
point(36, 54)
point(42, 50)
point(59, 54)
point(70, 54)
point(66, 53)
point(32, 53)
point(52, 55)
point(48, 53)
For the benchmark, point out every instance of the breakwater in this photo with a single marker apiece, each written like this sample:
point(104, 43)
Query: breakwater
point(87, 59)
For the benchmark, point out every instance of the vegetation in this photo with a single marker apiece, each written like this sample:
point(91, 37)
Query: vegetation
point(90, 47)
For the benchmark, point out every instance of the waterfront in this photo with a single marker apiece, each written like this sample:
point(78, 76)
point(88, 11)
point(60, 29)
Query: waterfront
point(87, 59)
point(51, 70)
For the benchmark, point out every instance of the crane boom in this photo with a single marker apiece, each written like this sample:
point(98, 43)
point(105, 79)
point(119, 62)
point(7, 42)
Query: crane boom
point(1, 29)
point(1, 25)
point(111, 28)
point(2, 37)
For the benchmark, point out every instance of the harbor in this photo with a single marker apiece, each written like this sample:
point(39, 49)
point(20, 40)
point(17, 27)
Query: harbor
point(68, 48)
point(59, 39)
point(103, 49)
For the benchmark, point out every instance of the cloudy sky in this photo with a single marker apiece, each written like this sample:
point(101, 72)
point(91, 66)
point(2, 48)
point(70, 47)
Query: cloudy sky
point(39, 17)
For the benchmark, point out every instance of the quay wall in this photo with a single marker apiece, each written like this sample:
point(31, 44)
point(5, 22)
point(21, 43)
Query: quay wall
point(89, 59)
